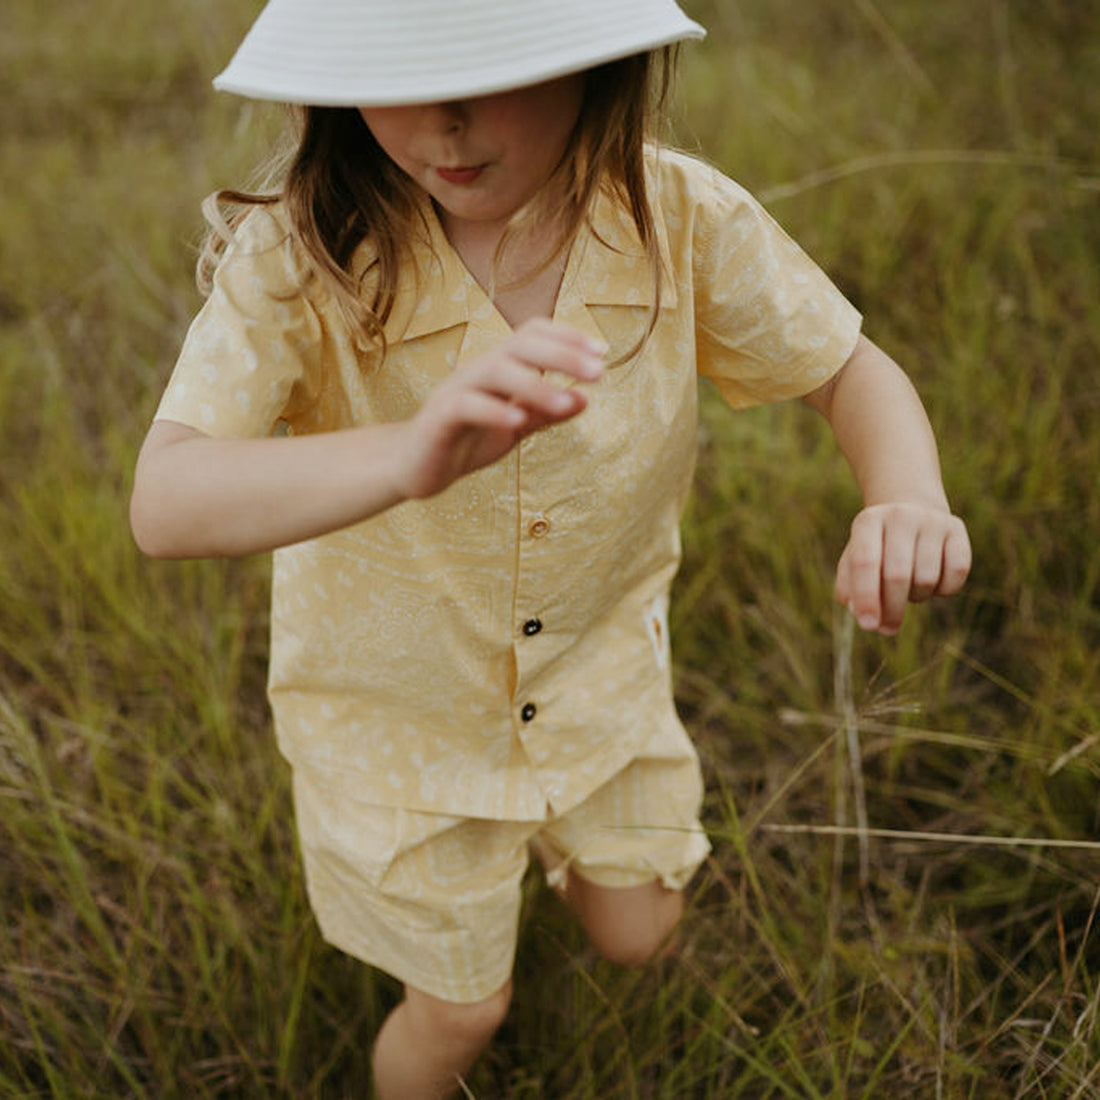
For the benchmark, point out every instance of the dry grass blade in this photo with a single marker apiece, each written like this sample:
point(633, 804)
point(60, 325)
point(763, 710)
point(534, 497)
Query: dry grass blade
point(913, 158)
point(846, 705)
point(941, 838)
point(1072, 754)
point(934, 737)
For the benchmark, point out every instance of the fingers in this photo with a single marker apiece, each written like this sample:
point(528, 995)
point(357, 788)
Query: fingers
point(548, 345)
point(522, 387)
point(927, 567)
point(859, 574)
point(474, 409)
point(899, 544)
point(512, 374)
point(899, 554)
point(957, 559)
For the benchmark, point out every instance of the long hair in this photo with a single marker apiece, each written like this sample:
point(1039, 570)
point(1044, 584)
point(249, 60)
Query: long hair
point(339, 190)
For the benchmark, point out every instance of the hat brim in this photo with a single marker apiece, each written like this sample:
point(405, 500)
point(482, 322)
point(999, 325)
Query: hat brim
point(347, 53)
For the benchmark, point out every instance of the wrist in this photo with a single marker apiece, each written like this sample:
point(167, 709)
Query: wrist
point(933, 502)
point(920, 492)
point(388, 463)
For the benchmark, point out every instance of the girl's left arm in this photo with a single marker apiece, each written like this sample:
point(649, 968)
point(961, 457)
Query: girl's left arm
point(905, 544)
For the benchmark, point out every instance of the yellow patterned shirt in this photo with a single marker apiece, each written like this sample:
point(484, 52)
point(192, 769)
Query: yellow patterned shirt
point(502, 647)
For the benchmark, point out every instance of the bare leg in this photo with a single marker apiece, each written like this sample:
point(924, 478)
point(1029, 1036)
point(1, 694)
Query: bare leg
point(629, 925)
point(426, 1044)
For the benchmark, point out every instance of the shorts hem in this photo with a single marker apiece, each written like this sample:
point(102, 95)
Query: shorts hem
point(618, 878)
point(556, 865)
point(459, 991)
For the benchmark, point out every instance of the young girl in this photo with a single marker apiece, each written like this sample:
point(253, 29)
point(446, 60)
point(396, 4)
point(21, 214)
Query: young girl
point(448, 372)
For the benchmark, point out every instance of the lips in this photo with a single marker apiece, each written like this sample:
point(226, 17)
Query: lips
point(460, 176)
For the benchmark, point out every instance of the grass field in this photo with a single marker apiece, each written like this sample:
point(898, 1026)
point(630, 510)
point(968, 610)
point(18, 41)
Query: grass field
point(903, 898)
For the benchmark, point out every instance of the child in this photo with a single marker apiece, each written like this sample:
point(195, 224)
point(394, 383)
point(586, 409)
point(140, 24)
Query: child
point(476, 310)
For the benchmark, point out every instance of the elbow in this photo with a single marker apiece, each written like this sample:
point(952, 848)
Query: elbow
point(167, 534)
point(151, 532)
point(158, 513)
point(145, 533)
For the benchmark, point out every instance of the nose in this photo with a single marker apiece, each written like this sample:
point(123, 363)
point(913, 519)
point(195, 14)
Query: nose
point(451, 117)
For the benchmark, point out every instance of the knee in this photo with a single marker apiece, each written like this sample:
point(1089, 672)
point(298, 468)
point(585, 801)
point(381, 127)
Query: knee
point(641, 939)
point(639, 949)
point(468, 1024)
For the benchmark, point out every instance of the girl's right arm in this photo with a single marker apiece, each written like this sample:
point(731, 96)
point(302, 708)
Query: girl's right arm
point(199, 496)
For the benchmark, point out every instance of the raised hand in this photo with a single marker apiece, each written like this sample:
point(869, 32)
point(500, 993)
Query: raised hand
point(482, 410)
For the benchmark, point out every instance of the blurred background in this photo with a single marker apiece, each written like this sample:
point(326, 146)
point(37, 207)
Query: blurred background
point(903, 894)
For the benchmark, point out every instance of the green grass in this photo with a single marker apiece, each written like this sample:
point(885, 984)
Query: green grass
point(940, 161)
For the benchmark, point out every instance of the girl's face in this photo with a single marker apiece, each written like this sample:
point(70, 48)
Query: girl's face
point(481, 159)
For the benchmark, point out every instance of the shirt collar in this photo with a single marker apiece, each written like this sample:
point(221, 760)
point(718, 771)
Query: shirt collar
point(606, 267)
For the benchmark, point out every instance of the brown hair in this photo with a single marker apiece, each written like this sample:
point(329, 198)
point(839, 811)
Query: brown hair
point(340, 189)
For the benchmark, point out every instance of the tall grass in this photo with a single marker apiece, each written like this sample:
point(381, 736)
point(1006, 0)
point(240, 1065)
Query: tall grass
point(862, 929)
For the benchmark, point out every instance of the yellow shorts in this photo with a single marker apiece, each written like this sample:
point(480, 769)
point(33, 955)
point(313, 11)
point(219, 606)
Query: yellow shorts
point(434, 899)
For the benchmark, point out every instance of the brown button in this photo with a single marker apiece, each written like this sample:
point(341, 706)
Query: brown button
point(538, 527)
point(532, 626)
point(528, 712)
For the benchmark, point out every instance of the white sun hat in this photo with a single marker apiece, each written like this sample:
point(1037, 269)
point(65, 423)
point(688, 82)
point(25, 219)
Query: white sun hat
point(374, 53)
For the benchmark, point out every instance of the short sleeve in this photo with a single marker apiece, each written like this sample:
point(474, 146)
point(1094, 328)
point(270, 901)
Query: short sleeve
point(252, 352)
point(769, 323)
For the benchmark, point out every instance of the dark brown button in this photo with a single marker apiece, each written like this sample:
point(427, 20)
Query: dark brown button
point(528, 712)
point(532, 626)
